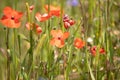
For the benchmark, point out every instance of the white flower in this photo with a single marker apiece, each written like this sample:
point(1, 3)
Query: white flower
point(89, 39)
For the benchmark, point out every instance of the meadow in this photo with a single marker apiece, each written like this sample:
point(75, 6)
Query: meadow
point(59, 39)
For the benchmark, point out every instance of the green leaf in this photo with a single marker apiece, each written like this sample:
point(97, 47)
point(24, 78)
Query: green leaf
point(40, 43)
point(22, 36)
point(91, 73)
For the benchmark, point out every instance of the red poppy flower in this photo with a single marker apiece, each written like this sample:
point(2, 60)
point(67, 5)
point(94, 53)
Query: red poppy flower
point(37, 28)
point(66, 25)
point(66, 18)
point(43, 17)
point(11, 18)
point(94, 49)
point(28, 25)
point(102, 51)
point(72, 22)
point(58, 38)
point(31, 8)
point(54, 11)
point(79, 43)
point(67, 21)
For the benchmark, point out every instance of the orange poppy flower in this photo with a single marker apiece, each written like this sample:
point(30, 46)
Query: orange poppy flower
point(37, 28)
point(54, 11)
point(78, 43)
point(43, 17)
point(94, 49)
point(11, 18)
point(58, 38)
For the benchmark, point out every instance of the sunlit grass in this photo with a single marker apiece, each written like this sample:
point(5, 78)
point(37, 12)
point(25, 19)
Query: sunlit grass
point(30, 55)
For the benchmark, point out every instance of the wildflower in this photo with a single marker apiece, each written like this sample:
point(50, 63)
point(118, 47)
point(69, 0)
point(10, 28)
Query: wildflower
point(58, 38)
point(11, 18)
point(66, 18)
point(38, 29)
point(66, 25)
point(79, 43)
point(54, 11)
point(72, 2)
point(68, 22)
point(102, 51)
point(94, 49)
point(89, 39)
point(27, 25)
point(35, 27)
point(43, 17)
point(31, 8)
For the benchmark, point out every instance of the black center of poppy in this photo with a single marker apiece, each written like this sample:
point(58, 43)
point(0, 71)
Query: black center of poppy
point(59, 38)
point(12, 18)
point(94, 49)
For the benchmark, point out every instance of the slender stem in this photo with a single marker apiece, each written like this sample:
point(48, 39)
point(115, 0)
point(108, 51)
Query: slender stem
point(31, 45)
point(49, 60)
point(14, 56)
point(49, 1)
point(8, 56)
point(48, 27)
point(61, 15)
point(107, 40)
point(31, 40)
point(19, 42)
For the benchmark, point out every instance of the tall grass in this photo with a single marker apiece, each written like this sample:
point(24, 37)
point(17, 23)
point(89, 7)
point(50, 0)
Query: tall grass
point(24, 55)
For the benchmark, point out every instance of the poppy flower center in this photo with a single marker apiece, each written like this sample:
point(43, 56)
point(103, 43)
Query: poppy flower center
point(94, 49)
point(12, 18)
point(59, 38)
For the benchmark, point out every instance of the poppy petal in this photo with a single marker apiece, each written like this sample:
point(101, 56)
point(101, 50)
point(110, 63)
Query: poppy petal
point(54, 11)
point(56, 33)
point(27, 25)
point(59, 43)
point(7, 11)
point(52, 8)
point(79, 43)
point(42, 18)
point(52, 41)
point(66, 35)
point(10, 23)
point(38, 30)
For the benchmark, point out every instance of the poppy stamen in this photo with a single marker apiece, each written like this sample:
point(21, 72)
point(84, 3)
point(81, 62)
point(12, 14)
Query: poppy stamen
point(12, 18)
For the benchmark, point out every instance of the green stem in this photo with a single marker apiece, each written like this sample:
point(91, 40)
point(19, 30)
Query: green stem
point(99, 21)
point(19, 42)
point(15, 4)
point(31, 40)
point(14, 56)
point(61, 15)
point(107, 39)
point(8, 56)
point(31, 45)
point(48, 27)
point(49, 55)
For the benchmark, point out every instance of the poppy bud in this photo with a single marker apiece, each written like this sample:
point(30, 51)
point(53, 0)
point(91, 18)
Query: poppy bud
point(66, 25)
